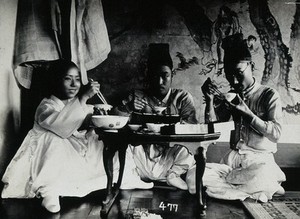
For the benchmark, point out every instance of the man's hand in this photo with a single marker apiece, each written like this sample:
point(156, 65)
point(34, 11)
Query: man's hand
point(140, 104)
point(208, 89)
point(242, 108)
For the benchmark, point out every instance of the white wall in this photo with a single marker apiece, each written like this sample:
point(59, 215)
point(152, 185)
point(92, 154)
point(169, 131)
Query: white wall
point(9, 92)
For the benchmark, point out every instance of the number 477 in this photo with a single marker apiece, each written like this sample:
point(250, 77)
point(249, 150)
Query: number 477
point(171, 207)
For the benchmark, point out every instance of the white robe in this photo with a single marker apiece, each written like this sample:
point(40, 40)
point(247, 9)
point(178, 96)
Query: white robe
point(56, 159)
point(253, 175)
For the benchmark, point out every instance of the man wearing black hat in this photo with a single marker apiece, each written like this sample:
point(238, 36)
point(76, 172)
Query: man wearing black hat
point(156, 162)
point(257, 114)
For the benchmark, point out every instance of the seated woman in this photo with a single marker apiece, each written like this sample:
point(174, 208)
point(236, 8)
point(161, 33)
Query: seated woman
point(55, 159)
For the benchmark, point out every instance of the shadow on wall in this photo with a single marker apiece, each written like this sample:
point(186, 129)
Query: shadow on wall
point(11, 143)
point(29, 102)
point(14, 136)
point(31, 98)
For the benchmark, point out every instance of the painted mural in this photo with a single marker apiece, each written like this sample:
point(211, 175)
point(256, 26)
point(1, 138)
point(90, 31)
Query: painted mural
point(195, 29)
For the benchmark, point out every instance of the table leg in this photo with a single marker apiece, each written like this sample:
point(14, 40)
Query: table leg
point(108, 155)
point(122, 157)
point(200, 167)
point(110, 148)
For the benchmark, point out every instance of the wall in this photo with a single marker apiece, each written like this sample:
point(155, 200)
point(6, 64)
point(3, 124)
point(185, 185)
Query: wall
point(193, 29)
point(9, 92)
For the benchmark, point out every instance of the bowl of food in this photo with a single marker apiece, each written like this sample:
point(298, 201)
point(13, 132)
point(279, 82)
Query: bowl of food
point(102, 109)
point(153, 127)
point(159, 109)
point(109, 121)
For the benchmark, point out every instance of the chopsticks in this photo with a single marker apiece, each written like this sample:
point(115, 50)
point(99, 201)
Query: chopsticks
point(216, 90)
point(148, 104)
point(99, 94)
point(101, 97)
point(219, 93)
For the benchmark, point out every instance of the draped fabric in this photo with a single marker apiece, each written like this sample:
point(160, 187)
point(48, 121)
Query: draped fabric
point(89, 39)
point(253, 175)
point(39, 29)
point(150, 166)
point(34, 38)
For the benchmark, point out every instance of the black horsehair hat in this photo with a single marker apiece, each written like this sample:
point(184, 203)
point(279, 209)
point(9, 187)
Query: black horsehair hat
point(159, 55)
point(235, 49)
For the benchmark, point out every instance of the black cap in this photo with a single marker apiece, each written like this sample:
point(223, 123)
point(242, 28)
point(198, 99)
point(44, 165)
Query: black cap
point(235, 49)
point(159, 55)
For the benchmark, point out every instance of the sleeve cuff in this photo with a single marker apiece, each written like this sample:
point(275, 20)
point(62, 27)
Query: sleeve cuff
point(258, 125)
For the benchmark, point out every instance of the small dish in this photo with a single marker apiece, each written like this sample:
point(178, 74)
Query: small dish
point(232, 98)
point(229, 96)
point(159, 109)
point(154, 127)
point(134, 127)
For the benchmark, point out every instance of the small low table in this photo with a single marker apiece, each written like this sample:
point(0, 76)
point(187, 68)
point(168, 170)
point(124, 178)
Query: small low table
point(118, 140)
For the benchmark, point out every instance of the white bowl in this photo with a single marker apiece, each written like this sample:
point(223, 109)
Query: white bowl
point(153, 127)
point(109, 121)
point(134, 127)
point(230, 96)
point(159, 109)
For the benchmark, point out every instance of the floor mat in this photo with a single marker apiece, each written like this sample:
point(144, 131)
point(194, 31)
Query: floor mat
point(287, 206)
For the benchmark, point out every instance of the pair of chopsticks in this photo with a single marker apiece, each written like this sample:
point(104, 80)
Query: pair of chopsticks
point(216, 90)
point(219, 93)
point(99, 94)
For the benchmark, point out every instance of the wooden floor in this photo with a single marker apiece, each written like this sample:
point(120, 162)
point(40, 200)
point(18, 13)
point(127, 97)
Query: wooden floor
point(90, 206)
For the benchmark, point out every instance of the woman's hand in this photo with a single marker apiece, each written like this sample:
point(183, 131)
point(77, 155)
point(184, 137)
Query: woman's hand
point(93, 88)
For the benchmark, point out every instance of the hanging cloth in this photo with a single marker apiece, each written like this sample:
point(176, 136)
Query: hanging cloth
point(34, 38)
point(38, 36)
point(89, 38)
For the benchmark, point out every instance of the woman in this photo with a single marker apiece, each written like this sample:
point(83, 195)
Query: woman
point(55, 159)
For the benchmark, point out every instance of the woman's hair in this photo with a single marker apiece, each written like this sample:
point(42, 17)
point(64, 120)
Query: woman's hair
point(56, 72)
